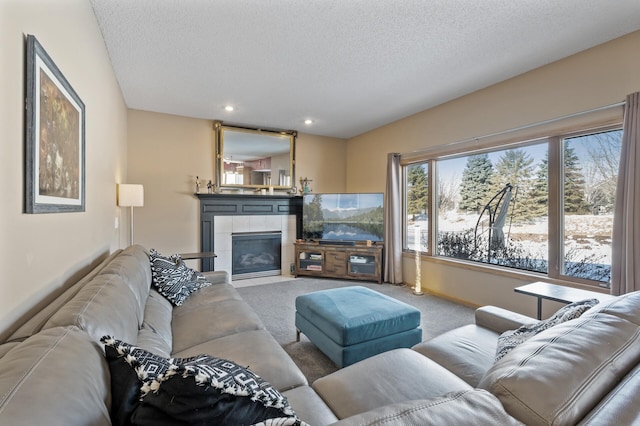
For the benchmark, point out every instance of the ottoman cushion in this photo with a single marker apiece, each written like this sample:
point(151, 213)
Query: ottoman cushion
point(356, 314)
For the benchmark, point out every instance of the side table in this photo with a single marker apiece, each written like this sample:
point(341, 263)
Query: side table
point(200, 255)
point(559, 293)
point(204, 256)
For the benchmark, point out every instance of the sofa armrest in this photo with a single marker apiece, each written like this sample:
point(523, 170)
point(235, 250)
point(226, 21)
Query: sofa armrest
point(501, 320)
point(217, 277)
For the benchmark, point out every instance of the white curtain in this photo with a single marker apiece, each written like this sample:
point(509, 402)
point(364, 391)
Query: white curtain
point(625, 273)
point(393, 221)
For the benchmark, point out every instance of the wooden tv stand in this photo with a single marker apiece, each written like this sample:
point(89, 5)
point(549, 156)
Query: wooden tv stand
point(353, 262)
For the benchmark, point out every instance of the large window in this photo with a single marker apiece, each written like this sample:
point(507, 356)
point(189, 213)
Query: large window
point(544, 206)
point(490, 209)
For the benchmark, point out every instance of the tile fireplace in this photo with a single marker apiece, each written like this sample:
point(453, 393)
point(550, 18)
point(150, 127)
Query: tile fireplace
point(223, 215)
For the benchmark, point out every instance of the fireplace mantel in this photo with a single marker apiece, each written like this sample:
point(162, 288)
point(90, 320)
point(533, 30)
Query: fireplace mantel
point(212, 205)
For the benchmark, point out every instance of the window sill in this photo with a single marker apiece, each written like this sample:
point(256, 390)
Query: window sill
point(505, 272)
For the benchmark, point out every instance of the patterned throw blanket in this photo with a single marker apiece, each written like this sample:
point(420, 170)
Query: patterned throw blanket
point(512, 338)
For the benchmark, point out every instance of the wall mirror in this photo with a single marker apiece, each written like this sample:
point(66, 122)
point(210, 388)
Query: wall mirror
point(254, 158)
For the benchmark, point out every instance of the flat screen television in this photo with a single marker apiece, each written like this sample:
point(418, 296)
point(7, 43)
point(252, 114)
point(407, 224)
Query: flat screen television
point(343, 217)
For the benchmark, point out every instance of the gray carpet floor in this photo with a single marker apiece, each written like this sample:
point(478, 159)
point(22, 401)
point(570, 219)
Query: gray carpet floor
point(275, 305)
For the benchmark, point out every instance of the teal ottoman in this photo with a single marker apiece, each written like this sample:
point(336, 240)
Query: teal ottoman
point(350, 324)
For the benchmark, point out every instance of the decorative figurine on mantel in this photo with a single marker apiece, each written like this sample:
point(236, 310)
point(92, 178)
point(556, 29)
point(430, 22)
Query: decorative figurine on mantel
point(304, 185)
point(210, 187)
point(197, 185)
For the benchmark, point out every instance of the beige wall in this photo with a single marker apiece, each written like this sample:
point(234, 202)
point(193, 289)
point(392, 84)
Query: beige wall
point(41, 253)
point(598, 77)
point(594, 78)
point(167, 152)
point(323, 160)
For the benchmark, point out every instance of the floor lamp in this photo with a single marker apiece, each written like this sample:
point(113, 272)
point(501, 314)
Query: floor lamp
point(130, 195)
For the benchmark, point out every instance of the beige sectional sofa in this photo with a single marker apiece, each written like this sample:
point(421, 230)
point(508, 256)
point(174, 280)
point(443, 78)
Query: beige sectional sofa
point(53, 370)
point(584, 371)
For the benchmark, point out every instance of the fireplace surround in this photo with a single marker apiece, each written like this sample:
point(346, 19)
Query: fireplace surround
point(221, 215)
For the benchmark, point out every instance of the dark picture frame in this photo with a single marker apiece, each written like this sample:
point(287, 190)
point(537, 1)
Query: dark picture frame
point(54, 137)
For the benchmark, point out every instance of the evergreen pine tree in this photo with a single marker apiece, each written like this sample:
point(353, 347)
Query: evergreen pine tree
point(417, 192)
point(539, 195)
point(515, 167)
point(475, 188)
point(574, 183)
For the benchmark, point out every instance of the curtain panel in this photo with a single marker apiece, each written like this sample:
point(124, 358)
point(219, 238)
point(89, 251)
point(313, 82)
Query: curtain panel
point(393, 221)
point(625, 273)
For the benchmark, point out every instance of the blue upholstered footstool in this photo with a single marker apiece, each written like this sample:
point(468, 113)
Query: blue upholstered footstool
point(350, 324)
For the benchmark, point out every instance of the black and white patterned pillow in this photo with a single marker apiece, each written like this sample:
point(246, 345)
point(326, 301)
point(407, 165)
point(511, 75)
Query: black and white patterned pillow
point(173, 278)
point(201, 389)
point(512, 338)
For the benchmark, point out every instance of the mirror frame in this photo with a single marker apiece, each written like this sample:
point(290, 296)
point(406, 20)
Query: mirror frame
point(220, 129)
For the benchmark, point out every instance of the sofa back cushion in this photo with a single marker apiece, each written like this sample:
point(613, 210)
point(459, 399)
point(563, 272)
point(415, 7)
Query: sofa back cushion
point(155, 334)
point(59, 361)
point(626, 307)
point(104, 306)
point(619, 407)
point(560, 375)
point(132, 265)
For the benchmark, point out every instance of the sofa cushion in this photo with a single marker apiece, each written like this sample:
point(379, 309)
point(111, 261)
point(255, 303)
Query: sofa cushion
point(173, 278)
point(464, 408)
point(309, 407)
point(626, 307)
point(209, 296)
point(155, 333)
point(617, 408)
point(512, 338)
point(201, 389)
point(467, 351)
point(57, 376)
point(198, 322)
point(105, 305)
point(561, 374)
point(255, 349)
point(388, 378)
point(132, 265)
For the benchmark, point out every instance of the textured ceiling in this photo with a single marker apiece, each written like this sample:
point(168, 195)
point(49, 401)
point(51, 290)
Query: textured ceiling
point(349, 65)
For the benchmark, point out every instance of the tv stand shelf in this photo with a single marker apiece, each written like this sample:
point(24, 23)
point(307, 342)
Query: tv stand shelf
point(354, 262)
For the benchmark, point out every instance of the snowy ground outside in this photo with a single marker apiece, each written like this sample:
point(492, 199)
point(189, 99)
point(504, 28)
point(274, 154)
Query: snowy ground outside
point(588, 234)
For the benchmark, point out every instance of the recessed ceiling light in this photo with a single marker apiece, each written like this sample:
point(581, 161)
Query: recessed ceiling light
point(228, 108)
point(308, 121)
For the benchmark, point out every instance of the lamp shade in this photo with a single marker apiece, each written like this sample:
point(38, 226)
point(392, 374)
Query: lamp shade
point(130, 195)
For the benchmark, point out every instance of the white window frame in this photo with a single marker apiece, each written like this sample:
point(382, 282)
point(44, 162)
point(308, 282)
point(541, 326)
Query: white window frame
point(555, 221)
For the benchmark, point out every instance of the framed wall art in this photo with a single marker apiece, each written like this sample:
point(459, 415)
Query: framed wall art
point(54, 137)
